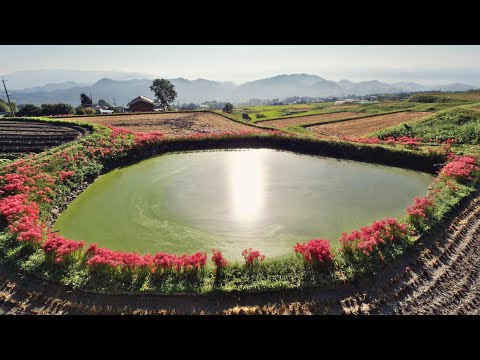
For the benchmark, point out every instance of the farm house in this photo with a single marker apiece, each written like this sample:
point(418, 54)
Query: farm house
point(141, 103)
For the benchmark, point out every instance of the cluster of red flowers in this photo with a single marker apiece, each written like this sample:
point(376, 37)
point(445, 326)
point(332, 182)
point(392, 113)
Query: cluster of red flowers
point(23, 217)
point(411, 142)
point(66, 174)
point(315, 251)
point(218, 259)
point(154, 263)
point(102, 256)
point(368, 238)
point(460, 167)
point(252, 256)
point(141, 139)
point(420, 207)
point(60, 247)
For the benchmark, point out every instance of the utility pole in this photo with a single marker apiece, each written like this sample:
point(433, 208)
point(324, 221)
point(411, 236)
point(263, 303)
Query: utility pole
point(114, 103)
point(8, 97)
point(91, 98)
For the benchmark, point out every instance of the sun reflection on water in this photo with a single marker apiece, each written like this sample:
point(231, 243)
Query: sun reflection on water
point(246, 185)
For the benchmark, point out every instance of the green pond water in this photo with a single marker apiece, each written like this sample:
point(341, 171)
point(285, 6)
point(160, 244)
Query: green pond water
point(232, 200)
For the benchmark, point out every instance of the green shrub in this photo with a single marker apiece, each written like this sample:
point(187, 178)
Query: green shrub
point(430, 98)
point(89, 111)
point(79, 111)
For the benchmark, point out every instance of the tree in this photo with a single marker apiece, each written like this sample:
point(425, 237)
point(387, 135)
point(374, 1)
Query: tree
point(4, 107)
point(102, 102)
point(164, 92)
point(190, 106)
point(85, 100)
point(56, 109)
point(30, 110)
point(228, 108)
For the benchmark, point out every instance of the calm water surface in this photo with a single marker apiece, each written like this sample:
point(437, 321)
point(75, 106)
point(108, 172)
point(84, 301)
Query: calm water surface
point(232, 200)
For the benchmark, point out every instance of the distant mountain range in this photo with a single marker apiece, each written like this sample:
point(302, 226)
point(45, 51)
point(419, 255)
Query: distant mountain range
point(124, 87)
point(36, 78)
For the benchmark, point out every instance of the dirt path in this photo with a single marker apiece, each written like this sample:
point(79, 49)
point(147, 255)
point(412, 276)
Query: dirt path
point(361, 127)
point(440, 276)
point(311, 119)
point(173, 124)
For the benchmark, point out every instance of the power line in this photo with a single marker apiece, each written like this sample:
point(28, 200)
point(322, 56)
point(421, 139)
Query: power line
point(8, 97)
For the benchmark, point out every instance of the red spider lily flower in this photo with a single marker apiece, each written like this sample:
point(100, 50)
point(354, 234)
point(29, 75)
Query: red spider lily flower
point(218, 259)
point(368, 238)
point(315, 251)
point(252, 257)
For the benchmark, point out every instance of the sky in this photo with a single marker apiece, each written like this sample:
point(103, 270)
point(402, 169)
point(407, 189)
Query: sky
point(430, 64)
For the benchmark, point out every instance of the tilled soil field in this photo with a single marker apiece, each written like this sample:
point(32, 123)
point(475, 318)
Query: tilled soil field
point(311, 119)
point(364, 126)
point(22, 136)
point(172, 124)
point(441, 275)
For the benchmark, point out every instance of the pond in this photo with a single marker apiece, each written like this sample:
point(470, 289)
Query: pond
point(232, 200)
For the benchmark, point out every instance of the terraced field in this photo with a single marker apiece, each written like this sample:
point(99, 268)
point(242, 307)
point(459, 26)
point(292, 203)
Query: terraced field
point(17, 137)
point(173, 124)
point(441, 275)
point(312, 119)
point(367, 125)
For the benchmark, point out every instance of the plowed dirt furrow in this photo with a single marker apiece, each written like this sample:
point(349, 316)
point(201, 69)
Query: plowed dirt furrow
point(18, 137)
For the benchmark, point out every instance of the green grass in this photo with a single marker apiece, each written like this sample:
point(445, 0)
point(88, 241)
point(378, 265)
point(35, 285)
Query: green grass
point(471, 95)
point(430, 98)
point(461, 123)
point(287, 111)
point(299, 130)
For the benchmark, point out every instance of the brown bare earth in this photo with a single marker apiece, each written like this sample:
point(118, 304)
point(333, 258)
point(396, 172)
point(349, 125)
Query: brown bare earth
point(364, 126)
point(23, 136)
point(173, 124)
point(312, 119)
point(441, 275)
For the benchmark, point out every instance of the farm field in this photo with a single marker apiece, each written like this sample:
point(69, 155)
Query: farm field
point(274, 112)
point(312, 119)
point(269, 112)
point(365, 126)
point(23, 136)
point(171, 124)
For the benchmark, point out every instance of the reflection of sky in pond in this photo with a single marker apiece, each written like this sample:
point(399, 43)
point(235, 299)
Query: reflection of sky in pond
point(246, 185)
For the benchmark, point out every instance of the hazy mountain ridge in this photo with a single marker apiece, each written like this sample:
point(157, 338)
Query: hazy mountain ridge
point(283, 86)
point(24, 79)
point(200, 90)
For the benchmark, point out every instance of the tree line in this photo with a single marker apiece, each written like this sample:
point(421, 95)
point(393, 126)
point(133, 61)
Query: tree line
point(163, 89)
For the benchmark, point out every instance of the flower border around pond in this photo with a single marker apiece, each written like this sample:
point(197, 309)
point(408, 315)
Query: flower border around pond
point(33, 190)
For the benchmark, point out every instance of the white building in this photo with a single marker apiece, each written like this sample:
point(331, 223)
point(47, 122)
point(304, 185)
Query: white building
point(105, 111)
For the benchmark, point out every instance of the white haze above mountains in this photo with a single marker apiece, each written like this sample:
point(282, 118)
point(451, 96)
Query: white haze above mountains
point(49, 86)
